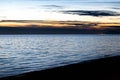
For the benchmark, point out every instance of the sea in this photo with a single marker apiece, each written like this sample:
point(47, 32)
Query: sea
point(26, 53)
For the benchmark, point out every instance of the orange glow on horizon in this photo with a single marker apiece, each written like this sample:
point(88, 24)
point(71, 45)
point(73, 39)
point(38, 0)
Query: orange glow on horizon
point(58, 24)
point(39, 24)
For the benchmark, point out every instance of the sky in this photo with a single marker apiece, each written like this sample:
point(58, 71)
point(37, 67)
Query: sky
point(54, 9)
point(105, 12)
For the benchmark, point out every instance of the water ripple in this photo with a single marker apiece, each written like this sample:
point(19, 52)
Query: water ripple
point(25, 53)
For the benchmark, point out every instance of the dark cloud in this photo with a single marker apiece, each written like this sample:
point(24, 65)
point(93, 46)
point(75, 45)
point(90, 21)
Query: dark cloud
point(117, 8)
point(92, 12)
point(52, 6)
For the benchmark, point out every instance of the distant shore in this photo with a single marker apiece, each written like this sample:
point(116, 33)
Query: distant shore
point(37, 30)
point(99, 69)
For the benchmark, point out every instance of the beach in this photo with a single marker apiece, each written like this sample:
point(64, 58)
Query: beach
point(59, 40)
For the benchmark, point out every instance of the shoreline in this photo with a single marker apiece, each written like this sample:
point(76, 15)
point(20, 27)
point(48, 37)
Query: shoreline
point(100, 69)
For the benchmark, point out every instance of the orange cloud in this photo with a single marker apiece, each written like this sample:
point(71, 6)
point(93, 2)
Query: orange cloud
point(12, 24)
point(38, 24)
point(57, 24)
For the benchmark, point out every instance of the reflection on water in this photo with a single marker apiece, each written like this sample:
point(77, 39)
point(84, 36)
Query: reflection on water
point(25, 53)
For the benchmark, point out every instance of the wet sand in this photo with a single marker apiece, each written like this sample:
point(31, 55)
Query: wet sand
point(99, 69)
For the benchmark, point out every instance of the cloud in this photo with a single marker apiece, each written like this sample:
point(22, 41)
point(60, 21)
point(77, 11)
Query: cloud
point(92, 12)
point(52, 6)
point(117, 8)
point(59, 24)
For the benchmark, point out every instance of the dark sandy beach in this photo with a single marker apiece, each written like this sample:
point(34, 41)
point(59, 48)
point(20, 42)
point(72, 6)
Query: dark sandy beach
point(100, 69)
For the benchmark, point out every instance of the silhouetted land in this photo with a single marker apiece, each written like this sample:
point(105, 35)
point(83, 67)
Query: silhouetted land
point(99, 69)
point(36, 30)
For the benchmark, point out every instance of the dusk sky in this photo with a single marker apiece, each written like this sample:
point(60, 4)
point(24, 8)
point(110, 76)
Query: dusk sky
point(98, 11)
point(52, 9)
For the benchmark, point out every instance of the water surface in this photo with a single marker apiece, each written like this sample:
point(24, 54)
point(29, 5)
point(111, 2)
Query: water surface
point(25, 53)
